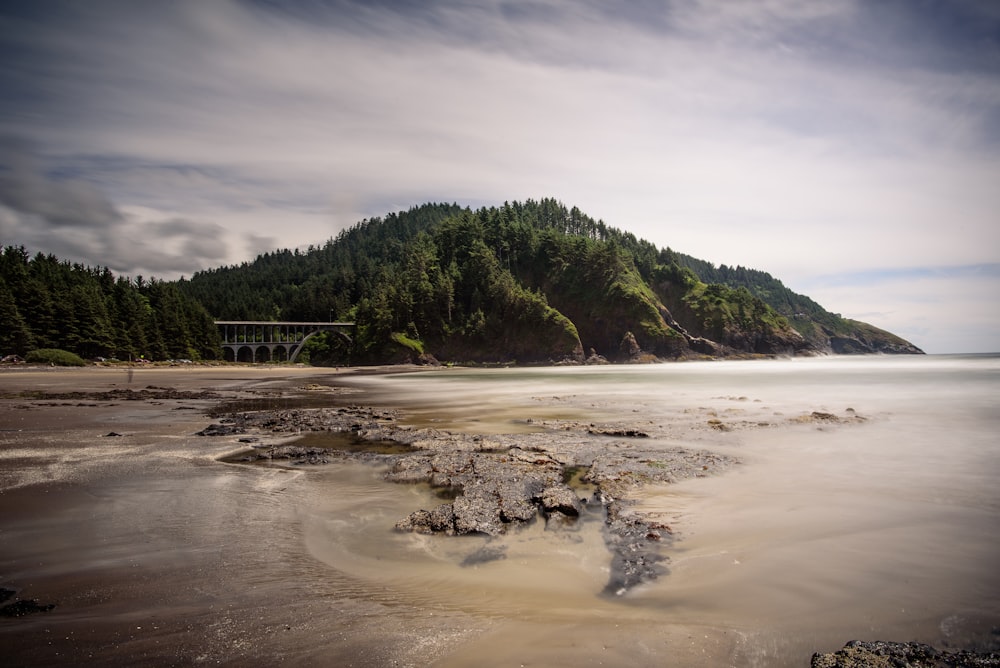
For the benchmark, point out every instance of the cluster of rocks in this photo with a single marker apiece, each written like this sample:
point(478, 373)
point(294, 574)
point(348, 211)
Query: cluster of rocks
point(349, 418)
point(879, 654)
point(494, 491)
point(497, 491)
point(148, 393)
point(498, 482)
point(821, 417)
point(292, 453)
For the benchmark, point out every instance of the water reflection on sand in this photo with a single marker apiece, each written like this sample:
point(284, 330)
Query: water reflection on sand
point(155, 551)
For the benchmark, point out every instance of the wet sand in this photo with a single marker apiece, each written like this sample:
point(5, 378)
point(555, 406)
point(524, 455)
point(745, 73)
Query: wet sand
point(153, 552)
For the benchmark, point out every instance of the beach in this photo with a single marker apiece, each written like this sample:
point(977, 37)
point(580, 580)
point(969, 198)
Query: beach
point(152, 552)
point(154, 547)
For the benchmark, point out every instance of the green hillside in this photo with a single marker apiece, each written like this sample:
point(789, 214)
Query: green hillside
point(524, 282)
point(48, 303)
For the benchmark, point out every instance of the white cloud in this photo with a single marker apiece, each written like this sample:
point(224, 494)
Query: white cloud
point(799, 137)
point(941, 310)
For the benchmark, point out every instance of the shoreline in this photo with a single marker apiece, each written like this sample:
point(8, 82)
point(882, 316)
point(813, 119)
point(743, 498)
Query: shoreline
point(63, 457)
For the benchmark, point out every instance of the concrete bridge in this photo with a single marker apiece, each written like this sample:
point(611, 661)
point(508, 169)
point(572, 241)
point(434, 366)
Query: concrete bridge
point(267, 341)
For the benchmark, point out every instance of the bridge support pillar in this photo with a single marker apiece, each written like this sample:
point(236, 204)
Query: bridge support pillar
point(288, 337)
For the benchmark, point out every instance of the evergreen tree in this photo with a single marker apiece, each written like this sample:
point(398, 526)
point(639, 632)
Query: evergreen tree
point(15, 336)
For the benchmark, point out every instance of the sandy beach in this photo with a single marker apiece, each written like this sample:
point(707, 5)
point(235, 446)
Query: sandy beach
point(127, 540)
point(152, 552)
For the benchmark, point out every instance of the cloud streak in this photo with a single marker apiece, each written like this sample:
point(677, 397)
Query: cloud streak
point(803, 138)
point(73, 219)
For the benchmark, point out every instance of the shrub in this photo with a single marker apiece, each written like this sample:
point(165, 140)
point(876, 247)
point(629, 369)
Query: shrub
point(55, 357)
point(405, 341)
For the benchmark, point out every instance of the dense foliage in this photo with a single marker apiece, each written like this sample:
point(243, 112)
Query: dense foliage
point(46, 303)
point(54, 357)
point(529, 281)
point(525, 281)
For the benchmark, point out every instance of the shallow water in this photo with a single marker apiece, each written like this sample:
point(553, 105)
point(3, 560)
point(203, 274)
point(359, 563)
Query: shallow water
point(877, 528)
point(883, 528)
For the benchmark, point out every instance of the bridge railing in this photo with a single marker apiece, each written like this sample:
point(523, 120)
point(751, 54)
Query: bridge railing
point(275, 337)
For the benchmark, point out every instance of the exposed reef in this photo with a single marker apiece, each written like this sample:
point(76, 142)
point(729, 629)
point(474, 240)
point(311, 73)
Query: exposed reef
point(496, 483)
point(879, 654)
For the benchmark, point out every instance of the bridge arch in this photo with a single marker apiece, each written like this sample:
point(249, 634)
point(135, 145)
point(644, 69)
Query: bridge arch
point(268, 341)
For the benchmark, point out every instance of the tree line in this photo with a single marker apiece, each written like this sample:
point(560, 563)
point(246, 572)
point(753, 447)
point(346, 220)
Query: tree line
point(523, 280)
point(46, 302)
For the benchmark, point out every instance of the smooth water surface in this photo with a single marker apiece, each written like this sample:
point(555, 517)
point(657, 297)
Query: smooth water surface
point(883, 527)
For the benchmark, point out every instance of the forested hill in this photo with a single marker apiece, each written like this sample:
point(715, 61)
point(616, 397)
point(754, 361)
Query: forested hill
point(48, 303)
point(525, 282)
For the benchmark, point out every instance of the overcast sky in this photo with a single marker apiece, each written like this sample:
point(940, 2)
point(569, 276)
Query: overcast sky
point(851, 149)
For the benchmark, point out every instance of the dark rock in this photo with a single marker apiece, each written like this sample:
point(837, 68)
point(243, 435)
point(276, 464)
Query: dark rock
point(556, 521)
point(22, 607)
point(111, 434)
point(629, 347)
point(123, 394)
point(495, 489)
point(704, 346)
point(438, 520)
point(517, 500)
point(860, 654)
point(417, 468)
point(484, 555)
point(303, 455)
point(635, 544)
point(426, 359)
point(477, 510)
point(560, 499)
point(613, 431)
point(595, 358)
point(221, 430)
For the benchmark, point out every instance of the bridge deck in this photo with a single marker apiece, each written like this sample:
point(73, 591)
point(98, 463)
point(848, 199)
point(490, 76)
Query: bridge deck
point(266, 338)
point(284, 323)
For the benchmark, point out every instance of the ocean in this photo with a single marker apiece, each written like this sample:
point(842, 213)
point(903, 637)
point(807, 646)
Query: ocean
point(882, 524)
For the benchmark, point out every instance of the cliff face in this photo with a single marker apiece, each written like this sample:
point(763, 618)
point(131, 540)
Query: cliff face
point(865, 339)
point(823, 332)
point(719, 321)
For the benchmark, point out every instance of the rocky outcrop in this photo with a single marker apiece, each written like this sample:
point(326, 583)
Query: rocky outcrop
point(494, 491)
point(629, 348)
point(842, 345)
point(595, 358)
point(852, 337)
point(859, 654)
point(500, 482)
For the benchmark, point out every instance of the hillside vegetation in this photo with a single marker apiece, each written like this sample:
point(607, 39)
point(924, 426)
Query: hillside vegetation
point(47, 303)
point(524, 282)
point(531, 282)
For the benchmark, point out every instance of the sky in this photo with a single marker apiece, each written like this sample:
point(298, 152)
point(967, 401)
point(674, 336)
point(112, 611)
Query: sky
point(849, 148)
